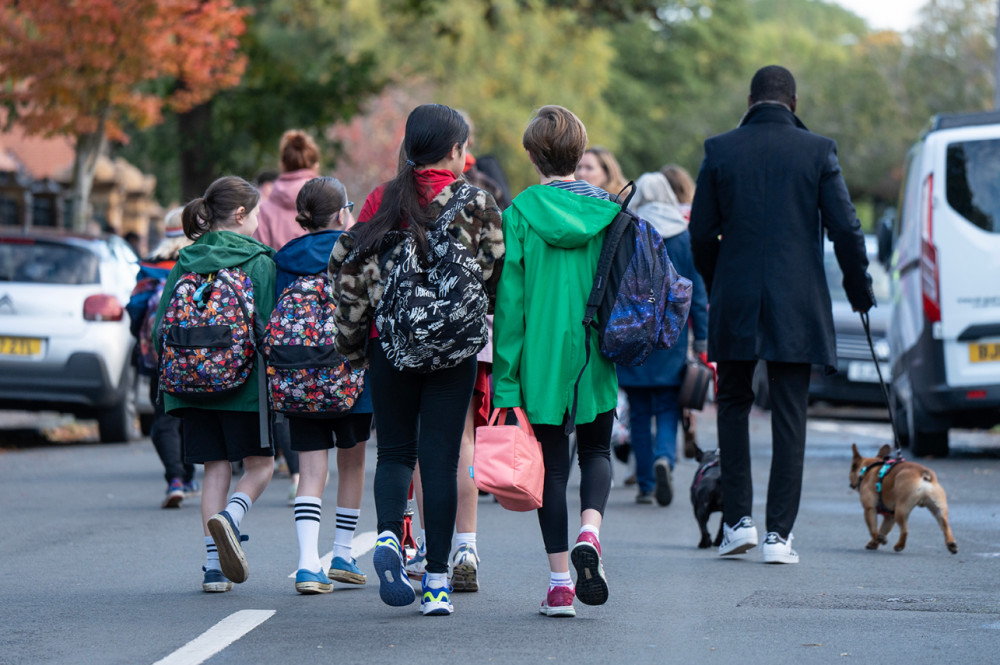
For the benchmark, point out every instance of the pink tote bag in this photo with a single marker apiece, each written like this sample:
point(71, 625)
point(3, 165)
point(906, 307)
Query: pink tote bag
point(508, 462)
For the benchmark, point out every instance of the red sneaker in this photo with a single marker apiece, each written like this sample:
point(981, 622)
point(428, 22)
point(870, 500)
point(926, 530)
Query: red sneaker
point(558, 602)
point(591, 584)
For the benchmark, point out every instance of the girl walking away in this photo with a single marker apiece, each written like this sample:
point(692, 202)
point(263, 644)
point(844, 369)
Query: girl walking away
point(553, 233)
point(220, 286)
point(599, 167)
point(421, 393)
point(336, 411)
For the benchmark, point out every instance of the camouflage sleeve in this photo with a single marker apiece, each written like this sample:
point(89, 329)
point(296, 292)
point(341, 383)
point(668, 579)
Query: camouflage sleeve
point(488, 224)
point(350, 290)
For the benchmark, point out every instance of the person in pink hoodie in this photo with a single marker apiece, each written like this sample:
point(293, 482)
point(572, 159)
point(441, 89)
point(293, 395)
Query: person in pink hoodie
point(299, 165)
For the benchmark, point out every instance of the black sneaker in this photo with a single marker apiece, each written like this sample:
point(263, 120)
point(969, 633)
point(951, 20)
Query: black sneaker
point(664, 482)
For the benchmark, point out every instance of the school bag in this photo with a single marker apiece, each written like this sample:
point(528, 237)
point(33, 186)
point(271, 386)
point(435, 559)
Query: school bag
point(432, 314)
point(141, 308)
point(306, 376)
point(210, 333)
point(638, 302)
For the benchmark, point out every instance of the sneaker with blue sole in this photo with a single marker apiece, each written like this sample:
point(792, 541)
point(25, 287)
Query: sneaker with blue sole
point(435, 601)
point(342, 570)
point(394, 586)
point(214, 581)
point(229, 543)
point(308, 583)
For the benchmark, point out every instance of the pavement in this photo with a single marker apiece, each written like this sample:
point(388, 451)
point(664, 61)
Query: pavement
point(93, 571)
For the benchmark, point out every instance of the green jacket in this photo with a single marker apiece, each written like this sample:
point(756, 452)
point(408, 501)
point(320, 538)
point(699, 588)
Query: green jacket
point(553, 239)
point(211, 252)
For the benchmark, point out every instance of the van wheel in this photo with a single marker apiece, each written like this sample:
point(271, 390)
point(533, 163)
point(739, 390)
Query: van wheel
point(927, 438)
point(899, 418)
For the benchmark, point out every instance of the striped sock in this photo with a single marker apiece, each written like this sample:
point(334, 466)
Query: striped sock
point(347, 522)
point(308, 510)
point(211, 554)
point(560, 579)
point(238, 506)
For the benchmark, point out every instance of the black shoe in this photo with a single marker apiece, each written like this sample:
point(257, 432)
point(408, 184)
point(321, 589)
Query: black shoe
point(664, 483)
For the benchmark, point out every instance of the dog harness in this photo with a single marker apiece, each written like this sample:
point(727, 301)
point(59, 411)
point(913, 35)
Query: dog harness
point(704, 469)
point(888, 463)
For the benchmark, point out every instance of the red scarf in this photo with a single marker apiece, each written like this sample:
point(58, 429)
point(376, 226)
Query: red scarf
point(430, 182)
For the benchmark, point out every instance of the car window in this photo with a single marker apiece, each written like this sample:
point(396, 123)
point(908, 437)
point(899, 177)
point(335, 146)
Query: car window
point(835, 278)
point(46, 263)
point(972, 182)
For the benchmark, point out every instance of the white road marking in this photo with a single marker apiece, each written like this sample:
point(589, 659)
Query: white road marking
point(217, 638)
point(362, 543)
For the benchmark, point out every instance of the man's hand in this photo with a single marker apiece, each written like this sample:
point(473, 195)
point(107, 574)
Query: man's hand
point(865, 300)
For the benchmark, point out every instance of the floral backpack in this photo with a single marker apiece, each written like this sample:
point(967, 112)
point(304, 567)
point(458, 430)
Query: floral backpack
point(306, 375)
point(209, 334)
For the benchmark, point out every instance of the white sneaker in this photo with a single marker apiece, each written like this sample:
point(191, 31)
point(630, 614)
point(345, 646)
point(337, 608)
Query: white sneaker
point(465, 569)
point(738, 539)
point(777, 550)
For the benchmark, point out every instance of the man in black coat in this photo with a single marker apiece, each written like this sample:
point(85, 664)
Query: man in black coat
point(766, 191)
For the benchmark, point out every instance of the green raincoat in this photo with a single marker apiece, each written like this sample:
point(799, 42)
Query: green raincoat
point(553, 239)
point(211, 252)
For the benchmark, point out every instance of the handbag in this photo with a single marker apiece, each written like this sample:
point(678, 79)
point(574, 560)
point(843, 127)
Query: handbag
point(694, 386)
point(507, 462)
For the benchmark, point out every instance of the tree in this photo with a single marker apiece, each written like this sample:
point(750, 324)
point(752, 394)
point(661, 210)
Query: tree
point(85, 68)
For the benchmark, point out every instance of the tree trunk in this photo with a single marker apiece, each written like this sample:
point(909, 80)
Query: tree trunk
point(88, 149)
point(197, 164)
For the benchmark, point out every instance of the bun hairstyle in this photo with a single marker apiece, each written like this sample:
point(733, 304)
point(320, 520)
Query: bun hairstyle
point(432, 131)
point(319, 202)
point(214, 211)
point(298, 151)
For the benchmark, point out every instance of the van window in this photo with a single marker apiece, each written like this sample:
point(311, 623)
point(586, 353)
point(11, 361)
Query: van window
point(972, 182)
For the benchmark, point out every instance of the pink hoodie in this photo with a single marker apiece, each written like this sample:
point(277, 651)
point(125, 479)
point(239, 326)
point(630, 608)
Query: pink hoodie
point(277, 214)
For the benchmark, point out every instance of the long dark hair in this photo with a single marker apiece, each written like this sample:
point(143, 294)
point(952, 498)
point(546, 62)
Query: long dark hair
point(212, 211)
point(432, 130)
point(318, 202)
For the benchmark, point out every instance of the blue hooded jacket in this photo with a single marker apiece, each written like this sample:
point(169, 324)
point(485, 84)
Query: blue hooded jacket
point(309, 255)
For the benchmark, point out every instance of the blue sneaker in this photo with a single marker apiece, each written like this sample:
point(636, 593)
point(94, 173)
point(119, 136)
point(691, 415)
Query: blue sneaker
point(192, 489)
point(393, 586)
point(228, 541)
point(308, 582)
point(435, 601)
point(346, 571)
point(215, 581)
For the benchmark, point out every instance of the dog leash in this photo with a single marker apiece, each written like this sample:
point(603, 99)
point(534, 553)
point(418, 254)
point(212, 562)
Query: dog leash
point(885, 390)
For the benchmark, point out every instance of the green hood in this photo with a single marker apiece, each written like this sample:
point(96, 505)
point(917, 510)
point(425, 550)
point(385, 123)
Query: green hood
point(220, 249)
point(562, 218)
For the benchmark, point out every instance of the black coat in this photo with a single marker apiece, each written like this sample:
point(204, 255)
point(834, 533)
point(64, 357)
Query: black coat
point(765, 193)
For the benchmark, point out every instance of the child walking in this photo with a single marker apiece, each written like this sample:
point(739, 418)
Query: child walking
point(554, 232)
point(219, 428)
point(418, 414)
point(323, 209)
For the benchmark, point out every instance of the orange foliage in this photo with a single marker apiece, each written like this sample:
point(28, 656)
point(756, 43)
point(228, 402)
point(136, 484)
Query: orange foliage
point(66, 65)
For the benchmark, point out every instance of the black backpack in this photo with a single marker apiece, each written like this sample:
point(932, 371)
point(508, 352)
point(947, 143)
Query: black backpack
point(432, 314)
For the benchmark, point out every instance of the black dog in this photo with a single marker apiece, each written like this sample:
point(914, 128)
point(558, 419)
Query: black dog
point(706, 494)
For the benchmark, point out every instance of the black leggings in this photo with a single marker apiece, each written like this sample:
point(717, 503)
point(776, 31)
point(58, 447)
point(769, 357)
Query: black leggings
point(419, 416)
point(593, 445)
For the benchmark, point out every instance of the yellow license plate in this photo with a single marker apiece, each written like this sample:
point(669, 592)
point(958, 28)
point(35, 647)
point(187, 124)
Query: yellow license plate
point(984, 353)
point(20, 346)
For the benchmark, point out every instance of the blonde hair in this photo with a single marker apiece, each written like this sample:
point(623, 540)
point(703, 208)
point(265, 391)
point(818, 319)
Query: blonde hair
point(616, 181)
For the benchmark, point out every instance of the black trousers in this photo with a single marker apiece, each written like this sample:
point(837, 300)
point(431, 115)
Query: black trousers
point(593, 447)
point(167, 437)
point(788, 384)
point(419, 416)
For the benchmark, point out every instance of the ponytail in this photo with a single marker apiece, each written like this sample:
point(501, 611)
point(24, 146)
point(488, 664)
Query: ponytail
point(214, 210)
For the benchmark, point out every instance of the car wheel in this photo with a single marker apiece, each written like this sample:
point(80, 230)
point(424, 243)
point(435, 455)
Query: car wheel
point(927, 437)
point(117, 424)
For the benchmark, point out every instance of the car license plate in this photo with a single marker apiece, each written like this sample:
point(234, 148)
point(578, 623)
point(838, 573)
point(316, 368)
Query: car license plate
point(984, 353)
point(863, 372)
point(20, 346)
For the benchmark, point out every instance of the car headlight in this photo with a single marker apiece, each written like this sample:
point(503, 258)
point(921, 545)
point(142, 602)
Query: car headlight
point(882, 349)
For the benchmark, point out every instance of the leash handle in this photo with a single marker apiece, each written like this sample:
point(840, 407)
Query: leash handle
point(885, 390)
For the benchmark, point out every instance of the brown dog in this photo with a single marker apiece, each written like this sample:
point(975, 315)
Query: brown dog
point(892, 488)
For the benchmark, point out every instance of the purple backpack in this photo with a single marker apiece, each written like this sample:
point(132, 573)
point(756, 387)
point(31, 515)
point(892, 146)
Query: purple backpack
point(639, 302)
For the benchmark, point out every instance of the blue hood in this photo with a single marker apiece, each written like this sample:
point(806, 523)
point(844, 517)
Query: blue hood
point(305, 255)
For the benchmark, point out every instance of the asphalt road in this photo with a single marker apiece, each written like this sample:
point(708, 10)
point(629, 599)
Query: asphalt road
point(93, 571)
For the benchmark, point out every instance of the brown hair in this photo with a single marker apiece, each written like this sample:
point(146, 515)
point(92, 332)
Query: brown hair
point(318, 202)
point(616, 181)
point(213, 211)
point(680, 181)
point(556, 138)
point(298, 151)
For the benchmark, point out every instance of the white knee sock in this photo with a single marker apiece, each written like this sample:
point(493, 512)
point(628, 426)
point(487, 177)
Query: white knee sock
point(308, 510)
point(347, 522)
point(238, 506)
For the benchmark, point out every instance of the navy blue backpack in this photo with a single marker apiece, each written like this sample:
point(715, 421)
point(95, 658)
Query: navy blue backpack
point(639, 303)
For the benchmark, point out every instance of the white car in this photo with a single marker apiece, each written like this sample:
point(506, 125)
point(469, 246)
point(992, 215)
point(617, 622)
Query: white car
point(944, 328)
point(64, 335)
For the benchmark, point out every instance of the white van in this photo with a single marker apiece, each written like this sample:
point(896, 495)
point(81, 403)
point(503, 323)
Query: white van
point(944, 327)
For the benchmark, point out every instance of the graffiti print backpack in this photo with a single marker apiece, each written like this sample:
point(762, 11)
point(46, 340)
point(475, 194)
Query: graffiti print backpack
point(209, 334)
point(432, 314)
point(305, 373)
